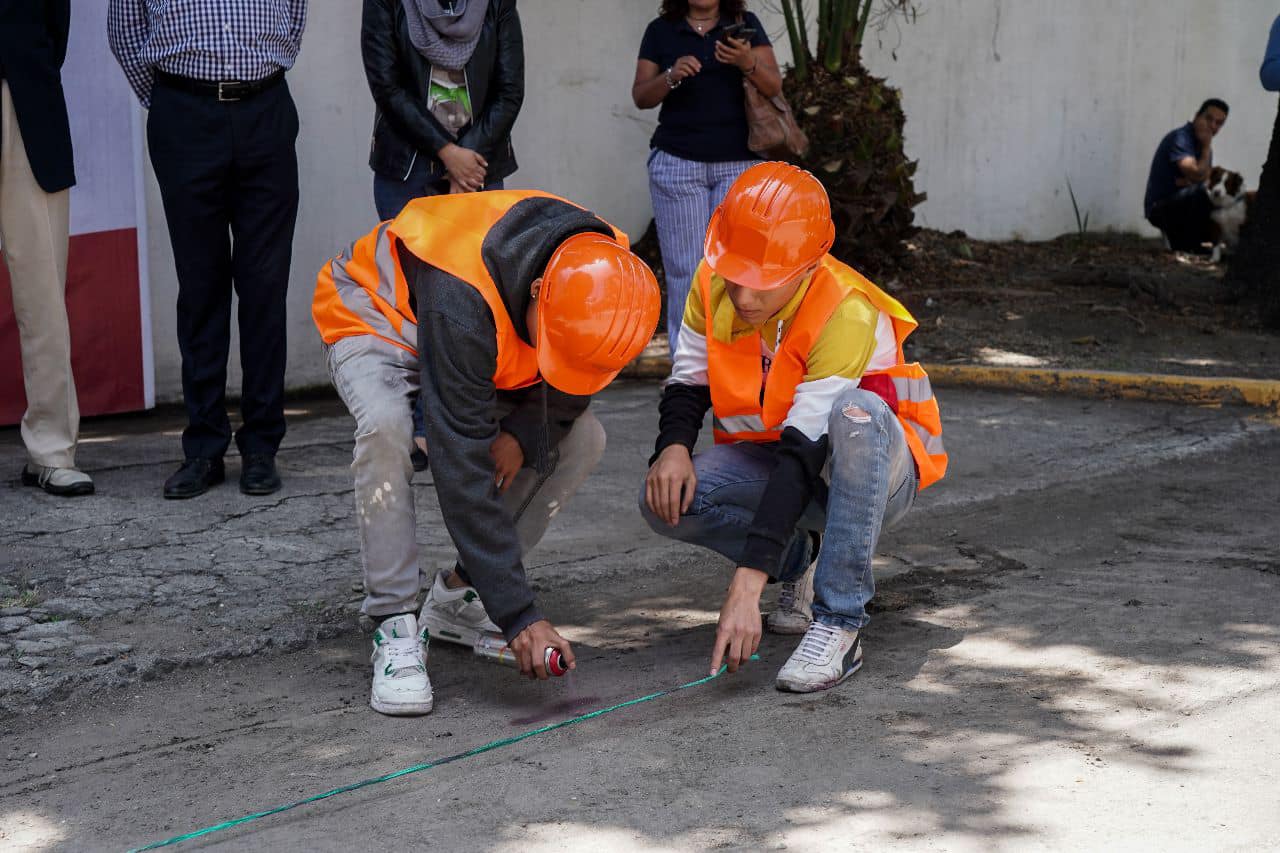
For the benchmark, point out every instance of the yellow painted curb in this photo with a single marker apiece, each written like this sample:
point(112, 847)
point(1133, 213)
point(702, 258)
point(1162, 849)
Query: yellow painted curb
point(1200, 390)
point(1164, 387)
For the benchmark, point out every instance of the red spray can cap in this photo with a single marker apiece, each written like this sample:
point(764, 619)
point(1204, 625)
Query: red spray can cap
point(555, 662)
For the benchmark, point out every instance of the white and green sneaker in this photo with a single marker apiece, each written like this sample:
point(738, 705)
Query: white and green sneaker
point(795, 605)
point(401, 687)
point(825, 657)
point(455, 615)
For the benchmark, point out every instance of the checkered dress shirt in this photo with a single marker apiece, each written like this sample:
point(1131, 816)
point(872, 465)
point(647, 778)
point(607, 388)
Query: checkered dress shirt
point(215, 40)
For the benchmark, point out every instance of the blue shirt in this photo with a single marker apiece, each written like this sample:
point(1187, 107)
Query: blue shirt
point(1270, 71)
point(703, 118)
point(1162, 181)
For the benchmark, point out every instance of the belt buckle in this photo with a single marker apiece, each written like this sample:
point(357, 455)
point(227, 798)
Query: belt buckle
point(227, 98)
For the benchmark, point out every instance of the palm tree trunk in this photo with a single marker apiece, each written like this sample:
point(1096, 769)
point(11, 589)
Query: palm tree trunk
point(1254, 272)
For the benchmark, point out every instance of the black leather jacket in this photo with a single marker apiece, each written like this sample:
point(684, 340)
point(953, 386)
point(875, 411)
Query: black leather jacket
point(399, 78)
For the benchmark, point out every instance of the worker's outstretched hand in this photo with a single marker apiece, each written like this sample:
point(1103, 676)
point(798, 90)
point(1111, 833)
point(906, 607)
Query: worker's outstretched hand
point(530, 647)
point(668, 489)
point(738, 633)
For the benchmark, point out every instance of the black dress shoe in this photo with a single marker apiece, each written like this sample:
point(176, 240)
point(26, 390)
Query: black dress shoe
point(194, 478)
point(258, 474)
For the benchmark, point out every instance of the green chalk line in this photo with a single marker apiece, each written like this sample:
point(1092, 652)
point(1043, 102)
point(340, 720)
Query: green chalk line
point(417, 768)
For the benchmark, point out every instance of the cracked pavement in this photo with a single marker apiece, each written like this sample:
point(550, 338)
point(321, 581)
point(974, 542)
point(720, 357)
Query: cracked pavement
point(1085, 613)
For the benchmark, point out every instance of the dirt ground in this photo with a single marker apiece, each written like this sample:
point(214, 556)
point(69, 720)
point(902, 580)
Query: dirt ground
point(1102, 302)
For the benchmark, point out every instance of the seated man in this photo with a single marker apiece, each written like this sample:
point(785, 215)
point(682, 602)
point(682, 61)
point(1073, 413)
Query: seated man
point(473, 301)
point(1176, 201)
point(823, 433)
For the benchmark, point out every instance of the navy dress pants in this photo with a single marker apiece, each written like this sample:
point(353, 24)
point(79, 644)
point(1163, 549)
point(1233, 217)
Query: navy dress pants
point(228, 176)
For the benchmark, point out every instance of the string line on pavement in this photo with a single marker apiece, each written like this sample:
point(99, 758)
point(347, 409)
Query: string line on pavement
point(418, 768)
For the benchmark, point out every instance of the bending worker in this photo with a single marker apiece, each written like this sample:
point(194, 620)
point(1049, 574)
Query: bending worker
point(506, 310)
point(823, 433)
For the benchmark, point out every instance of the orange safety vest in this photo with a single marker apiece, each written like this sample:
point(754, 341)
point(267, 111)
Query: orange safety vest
point(735, 372)
point(363, 291)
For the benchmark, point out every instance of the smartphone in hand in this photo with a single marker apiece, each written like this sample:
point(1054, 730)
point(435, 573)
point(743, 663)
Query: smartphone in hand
point(737, 31)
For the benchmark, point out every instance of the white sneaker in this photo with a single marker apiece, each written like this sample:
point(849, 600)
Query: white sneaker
point(65, 482)
point(825, 657)
point(455, 615)
point(795, 605)
point(400, 683)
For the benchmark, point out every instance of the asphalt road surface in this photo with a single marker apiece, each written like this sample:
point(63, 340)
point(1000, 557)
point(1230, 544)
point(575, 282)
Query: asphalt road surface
point(1075, 645)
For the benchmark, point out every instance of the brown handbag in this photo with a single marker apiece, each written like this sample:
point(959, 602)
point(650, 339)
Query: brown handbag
point(772, 131)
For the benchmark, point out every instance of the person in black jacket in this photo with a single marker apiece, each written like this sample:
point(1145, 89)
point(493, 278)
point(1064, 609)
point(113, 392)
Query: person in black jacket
point(448, 80)
point(36, 173)
point(447, 77)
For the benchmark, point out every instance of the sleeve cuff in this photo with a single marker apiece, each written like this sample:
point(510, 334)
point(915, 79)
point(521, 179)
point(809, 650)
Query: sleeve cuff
point(523, 620)
point(763, 553)
point(687, 442)
point(524, 432)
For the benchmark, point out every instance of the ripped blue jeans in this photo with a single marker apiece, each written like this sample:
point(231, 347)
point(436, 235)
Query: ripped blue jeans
point(871, 484)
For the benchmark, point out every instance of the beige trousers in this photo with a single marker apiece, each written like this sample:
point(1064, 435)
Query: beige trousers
point(33, 236)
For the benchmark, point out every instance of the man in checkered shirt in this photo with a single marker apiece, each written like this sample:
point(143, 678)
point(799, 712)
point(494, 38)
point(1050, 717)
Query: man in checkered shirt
point(221, 131)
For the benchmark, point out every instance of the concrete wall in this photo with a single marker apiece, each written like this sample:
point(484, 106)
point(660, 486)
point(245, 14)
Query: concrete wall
point(1005, 101)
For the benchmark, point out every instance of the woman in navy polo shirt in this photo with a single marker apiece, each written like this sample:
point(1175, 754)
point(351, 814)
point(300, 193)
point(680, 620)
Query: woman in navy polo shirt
point(691, 64)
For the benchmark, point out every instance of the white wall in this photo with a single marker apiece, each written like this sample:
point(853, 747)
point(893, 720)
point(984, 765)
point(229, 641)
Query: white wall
point(1007, 100)
point(1004, 101)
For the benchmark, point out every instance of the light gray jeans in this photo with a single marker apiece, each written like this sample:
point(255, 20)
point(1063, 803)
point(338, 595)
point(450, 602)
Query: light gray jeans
point(379, 382)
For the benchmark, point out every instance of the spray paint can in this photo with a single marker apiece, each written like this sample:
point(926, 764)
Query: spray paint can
point(497, 650)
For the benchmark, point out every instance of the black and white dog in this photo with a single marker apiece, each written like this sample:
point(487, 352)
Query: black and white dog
point(1231, 204)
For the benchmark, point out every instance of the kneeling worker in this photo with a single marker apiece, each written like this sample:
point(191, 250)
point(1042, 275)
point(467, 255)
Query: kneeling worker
point(479, 302)
point(823, 433)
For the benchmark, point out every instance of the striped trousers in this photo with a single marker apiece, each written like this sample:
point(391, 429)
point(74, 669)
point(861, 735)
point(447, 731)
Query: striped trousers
point(685, 193)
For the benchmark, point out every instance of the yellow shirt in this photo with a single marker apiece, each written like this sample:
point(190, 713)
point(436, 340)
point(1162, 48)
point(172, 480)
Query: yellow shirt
point(844, 346)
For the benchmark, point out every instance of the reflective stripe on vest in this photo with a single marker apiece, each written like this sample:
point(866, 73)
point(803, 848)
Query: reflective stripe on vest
point(364, 291)
point(357, 294)
point(742, 412)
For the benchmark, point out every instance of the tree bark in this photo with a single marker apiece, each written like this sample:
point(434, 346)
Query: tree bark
point(1253, 273)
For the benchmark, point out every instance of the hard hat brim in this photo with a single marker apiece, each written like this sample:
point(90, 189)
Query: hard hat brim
point(747, 274)
point(562, 373)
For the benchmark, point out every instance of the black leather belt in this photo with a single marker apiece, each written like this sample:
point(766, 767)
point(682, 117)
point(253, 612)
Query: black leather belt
point(222, 90)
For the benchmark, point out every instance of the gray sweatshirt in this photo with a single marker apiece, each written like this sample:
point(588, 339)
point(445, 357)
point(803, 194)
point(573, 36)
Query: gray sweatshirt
point(457, 343)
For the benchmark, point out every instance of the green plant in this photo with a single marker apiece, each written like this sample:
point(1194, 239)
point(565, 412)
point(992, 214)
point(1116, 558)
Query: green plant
point(26, 598)
point(854, 122)
point(1082, 223)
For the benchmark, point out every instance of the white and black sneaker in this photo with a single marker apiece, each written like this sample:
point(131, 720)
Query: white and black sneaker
point(795, 605)
point(455, 615)
point(400, 683)
point(825, 657)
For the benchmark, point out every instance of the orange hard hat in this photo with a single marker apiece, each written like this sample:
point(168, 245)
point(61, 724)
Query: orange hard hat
point(774, 223)
point(598, 309)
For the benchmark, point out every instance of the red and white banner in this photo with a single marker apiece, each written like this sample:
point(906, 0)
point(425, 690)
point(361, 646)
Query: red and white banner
point(107, 301)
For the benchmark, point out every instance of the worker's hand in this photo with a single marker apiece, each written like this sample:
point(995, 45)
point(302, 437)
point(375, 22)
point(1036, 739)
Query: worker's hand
point(530, 647)
point(732, 51)
point(456, 187)
point(508, 459)
point(464, 166)
point(668, 489)
point(738, 633)
point(684, 68)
